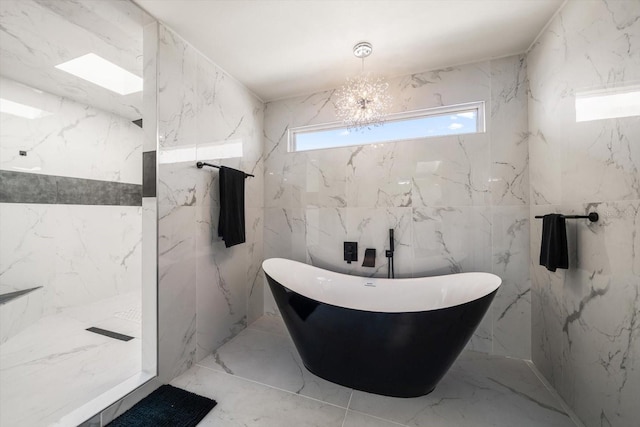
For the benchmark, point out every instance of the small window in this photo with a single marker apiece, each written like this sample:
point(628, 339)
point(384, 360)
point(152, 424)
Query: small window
point(440, 121)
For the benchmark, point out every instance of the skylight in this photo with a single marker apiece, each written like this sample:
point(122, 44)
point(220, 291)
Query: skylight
point(101, 72)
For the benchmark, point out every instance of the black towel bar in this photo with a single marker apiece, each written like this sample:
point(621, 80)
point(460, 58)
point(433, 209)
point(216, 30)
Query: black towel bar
point(593, 216)
point(201, 164)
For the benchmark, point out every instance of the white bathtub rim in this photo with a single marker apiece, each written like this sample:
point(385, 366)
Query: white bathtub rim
point(380, 294)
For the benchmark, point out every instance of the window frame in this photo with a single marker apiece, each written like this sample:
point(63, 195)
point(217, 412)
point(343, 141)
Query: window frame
point(478, 106)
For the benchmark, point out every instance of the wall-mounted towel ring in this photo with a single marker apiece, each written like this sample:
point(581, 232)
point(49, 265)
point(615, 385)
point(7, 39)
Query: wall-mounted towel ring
point(593, 216)
point(201, 164)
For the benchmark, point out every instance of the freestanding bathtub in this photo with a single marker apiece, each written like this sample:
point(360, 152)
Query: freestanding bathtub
point(395, 337)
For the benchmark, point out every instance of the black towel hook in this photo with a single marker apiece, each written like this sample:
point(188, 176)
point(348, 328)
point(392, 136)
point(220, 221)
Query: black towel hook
point(593, 216)
point(200, 165)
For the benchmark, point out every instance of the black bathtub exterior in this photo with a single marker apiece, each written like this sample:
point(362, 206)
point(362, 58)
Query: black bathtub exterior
point(392, 354)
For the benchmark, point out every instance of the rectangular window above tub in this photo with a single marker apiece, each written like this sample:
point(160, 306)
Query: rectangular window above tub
point(440, 121)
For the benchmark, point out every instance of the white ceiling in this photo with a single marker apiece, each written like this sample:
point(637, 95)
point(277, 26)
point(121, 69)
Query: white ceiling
point(284, 48)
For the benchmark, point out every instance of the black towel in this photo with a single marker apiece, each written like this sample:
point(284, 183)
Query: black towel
point(231, 222)
point(553, 252)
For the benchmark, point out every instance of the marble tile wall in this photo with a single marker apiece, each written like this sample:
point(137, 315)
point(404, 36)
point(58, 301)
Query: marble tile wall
point(586, 319)
point(457, 203)
point(77, 251)
point(207, 292)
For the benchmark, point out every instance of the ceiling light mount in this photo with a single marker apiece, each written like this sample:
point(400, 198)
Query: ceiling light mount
point(362, 49)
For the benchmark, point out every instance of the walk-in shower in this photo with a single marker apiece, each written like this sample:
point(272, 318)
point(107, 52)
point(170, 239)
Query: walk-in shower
point(72, 220)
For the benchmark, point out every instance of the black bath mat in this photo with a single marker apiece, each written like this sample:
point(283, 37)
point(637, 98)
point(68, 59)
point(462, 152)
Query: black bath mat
point(166, 407)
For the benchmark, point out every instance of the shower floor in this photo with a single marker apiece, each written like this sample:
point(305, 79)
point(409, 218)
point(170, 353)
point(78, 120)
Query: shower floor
point(54, 366)
point(258, 379)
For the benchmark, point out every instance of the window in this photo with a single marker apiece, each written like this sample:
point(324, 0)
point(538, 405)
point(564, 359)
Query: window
point(440, 121)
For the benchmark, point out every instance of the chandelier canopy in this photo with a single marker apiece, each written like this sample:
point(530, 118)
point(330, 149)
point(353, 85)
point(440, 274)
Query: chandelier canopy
point(364, 100)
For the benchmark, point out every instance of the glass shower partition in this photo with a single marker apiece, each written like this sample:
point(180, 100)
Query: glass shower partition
point(78, 217)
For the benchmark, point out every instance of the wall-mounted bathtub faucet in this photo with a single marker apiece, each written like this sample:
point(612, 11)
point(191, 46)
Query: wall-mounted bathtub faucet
point(389, 253)
point(369, 257)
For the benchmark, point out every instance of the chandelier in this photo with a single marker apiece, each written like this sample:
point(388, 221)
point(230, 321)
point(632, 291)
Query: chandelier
point(363, 101)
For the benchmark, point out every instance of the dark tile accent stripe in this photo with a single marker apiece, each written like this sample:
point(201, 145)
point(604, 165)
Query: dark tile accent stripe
point(149, 174)
point(110, 334)
point(20, 187)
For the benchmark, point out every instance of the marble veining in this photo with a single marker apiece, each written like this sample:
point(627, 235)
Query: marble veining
point(73, 140)
point(258, 380)
point(33, 392)
point(49, 246)
point(585, 332)
point(207, 292)
point(457, 203)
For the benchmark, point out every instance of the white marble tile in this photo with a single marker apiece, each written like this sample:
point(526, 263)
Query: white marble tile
point(207, 116)
point(149, 288)
point(446, 86)
point(325, 181)
point(270, 323)
point(356, 419)
point(479, 390)
point(452, 171)
point(273, 360)
point(284, 180)
point(242, 402)
point(19, 313)
point(270, 305)
point(451, 240)
point(150, 81)
point(599, 344)
point(98, 252)
point(328, 228)
point(511, 307)
point(52, 246)
point(255, 256)
point(221, 297)
point(55, 365)
point(177, 184)
point(509, 132)
point(176, 86)
point(547, 310)
point(176, 292)
point(583, 318)
point(379, 175)
point(74, 140)
point(354, 193)
point(285, 234)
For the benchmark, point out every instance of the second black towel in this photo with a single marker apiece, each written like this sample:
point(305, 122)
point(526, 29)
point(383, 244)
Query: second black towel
point(231, 222)
point(553, 251)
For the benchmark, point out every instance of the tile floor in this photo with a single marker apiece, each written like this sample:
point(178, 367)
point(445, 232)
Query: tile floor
point(258, 380)
point(54, 366)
